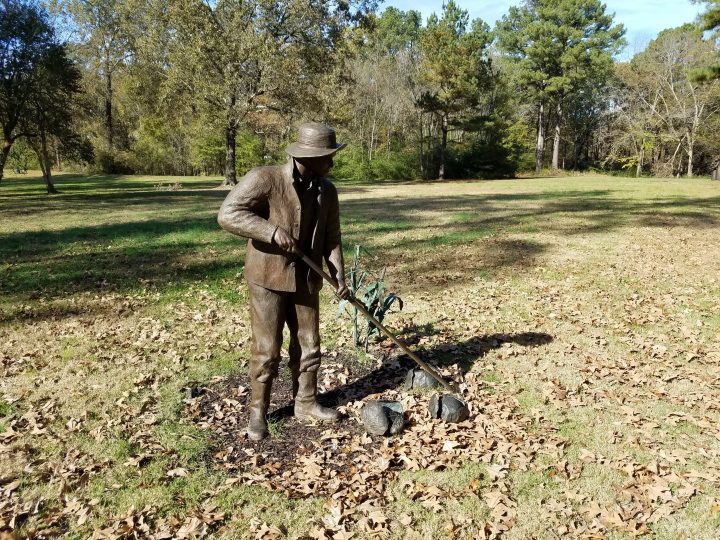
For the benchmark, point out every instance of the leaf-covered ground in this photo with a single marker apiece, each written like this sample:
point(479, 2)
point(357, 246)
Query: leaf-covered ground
point(581, 316)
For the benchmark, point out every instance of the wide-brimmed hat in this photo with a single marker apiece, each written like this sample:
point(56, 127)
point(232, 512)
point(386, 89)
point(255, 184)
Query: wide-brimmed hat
point(314, 140)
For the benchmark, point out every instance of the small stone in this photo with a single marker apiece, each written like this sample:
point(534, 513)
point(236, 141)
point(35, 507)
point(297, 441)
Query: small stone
point(448, 408)
point(374, 418)
point(435, 406)
point(383, 417)
point(417, 378)
point(193, 390)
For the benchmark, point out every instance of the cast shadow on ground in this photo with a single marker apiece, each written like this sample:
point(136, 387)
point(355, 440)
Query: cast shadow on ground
point(592, 211)
point(394, 369)
point(117, 257)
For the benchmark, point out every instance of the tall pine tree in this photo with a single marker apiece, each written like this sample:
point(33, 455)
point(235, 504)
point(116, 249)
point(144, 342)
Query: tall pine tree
point(557, 44)
point(455, 69)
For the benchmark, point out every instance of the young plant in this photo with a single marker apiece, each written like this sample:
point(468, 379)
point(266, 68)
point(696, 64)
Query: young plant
point(369, 290)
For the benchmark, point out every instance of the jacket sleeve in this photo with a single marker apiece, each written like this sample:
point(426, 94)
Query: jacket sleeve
point(333, 238)
point(244, 211)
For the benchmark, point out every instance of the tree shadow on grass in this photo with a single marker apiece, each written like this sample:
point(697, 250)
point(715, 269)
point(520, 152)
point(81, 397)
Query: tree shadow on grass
point(117, 257)
point(391, 375)
point(170, 251)
point(592, 211)
point(22, 205)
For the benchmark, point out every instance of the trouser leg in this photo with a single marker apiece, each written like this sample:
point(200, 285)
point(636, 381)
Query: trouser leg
point(304, 322)
point(304, 325)
point(267, 317)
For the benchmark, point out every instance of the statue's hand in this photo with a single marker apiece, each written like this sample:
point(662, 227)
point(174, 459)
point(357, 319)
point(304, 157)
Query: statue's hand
point(342, 291)
point(285, 241)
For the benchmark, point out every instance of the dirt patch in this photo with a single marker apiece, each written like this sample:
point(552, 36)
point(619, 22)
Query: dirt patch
point(222, 409)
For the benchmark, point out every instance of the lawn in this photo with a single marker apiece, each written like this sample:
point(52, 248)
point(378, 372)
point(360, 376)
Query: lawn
point(580, 314)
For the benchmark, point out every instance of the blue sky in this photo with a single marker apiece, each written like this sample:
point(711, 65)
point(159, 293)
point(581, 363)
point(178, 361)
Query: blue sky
point(643, 19)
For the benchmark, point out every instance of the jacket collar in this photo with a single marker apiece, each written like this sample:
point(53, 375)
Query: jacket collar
point(288, 169)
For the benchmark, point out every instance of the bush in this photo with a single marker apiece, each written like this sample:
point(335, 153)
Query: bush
point(207, 152)
point(115, 161)
point(481, 158)
point(22, 157)
point(153, 152)
point(352, 165)
point(248, 152)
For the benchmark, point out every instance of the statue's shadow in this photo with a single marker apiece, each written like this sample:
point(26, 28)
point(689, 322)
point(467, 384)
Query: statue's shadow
point(391, 374)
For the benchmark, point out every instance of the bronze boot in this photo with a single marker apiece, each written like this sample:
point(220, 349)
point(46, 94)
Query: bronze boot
point(306, 405)
point(259, 403)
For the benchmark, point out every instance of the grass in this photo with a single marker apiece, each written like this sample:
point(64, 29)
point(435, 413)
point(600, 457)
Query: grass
point(115, 294)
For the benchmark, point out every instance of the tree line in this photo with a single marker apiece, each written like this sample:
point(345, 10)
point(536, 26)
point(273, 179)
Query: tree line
point(217, 87)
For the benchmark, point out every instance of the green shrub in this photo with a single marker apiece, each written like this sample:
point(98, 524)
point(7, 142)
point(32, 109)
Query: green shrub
point(207, 152)
point(22, 157)
point(248, 151)
point(352, 165)
point(115, 161)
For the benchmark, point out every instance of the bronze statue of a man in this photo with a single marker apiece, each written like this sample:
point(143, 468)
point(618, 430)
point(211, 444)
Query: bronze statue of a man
point(284, 210)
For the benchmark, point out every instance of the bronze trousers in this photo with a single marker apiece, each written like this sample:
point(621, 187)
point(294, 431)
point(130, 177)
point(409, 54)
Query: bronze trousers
point(269, 312)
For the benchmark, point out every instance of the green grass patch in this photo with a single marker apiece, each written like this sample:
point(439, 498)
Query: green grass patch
point(116, 294)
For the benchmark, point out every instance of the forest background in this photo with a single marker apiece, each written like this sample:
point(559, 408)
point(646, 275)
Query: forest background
point(189, 87)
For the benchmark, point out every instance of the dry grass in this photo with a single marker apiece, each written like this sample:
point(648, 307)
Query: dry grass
point(115, 294)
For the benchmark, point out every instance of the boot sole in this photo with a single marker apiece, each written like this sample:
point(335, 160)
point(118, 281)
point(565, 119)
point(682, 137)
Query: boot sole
point(311, 417)
point(254, 436)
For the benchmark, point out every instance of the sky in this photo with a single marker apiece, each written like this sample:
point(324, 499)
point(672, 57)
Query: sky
point(643, 19)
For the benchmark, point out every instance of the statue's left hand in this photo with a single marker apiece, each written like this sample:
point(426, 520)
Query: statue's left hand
point(342, 291)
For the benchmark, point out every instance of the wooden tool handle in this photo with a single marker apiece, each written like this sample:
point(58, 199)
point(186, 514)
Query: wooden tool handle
point(362, 309)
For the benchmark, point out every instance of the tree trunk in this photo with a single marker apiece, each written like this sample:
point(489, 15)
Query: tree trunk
point(641, 157)
point(691, 145)
point(556, 142)
point(47, 173)
point(422, 145)
point(230, 173)
point(672, 161)
point(4, 153)
point(45, 164)
point(540, 146)
point(57, 157)
point(372, 130)
point(443, 146)
point(372, 138)
point(576, 153)
point(716, 172)
point(108, 102)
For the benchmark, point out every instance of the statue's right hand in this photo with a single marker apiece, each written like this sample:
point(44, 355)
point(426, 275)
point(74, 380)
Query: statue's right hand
point(285, 241)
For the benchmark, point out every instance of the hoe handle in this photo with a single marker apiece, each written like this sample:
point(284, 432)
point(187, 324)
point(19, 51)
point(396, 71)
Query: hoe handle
point(361, 308)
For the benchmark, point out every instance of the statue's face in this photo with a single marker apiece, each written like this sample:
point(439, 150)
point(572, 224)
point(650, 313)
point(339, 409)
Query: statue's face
point(314, 167)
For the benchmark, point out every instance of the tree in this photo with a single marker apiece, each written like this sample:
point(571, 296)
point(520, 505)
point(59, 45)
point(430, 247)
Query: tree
point(50, 108)
point(235, 58)
point(710, 21)
point(557, 44)
point(455, 69)
point(105, 41)
point(683, 105)
point(632, 127)
point(382, 72)
point(26, 39)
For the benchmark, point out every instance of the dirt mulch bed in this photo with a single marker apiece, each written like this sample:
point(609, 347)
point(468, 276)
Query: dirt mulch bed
point(222, 408)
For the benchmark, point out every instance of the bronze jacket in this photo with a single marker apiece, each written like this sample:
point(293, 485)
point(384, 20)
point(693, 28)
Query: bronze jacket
point(265, 199)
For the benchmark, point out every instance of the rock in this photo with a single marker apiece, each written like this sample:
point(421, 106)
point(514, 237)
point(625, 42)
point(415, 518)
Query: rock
point(383, 417)
point(193, 390)
point(448, 408)
point(435, 406)
point(417, 378)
